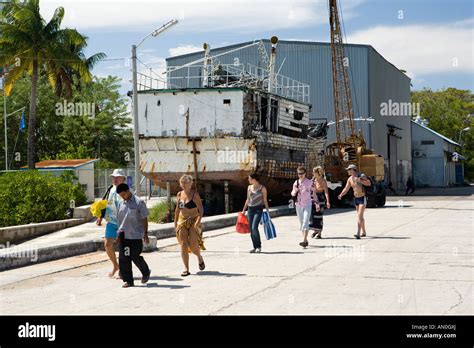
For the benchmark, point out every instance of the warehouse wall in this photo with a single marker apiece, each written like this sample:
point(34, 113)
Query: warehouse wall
point(435, 166)
point(389, 85)
point(428, 169)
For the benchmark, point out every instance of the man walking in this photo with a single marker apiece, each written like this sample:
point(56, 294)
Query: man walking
point(357, 181)
point(133, 227)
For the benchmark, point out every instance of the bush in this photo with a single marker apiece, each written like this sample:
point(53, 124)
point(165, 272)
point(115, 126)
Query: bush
point(159, 213)
point(31, 196)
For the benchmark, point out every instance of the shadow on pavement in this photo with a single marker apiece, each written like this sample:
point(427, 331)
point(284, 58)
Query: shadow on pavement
point(170, 279)
point(219, 274)
point(376, 237)
point(395, 206)
point(281, 252)
point(173, 287)
point(368, 237)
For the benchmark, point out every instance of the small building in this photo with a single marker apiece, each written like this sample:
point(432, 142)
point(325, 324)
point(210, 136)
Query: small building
point(435, 160)
point(83, 169)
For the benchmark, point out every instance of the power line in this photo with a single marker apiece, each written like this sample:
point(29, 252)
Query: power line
point(65, 60)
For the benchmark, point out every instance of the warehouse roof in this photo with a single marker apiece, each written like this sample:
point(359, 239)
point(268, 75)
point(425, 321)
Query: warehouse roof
point(436, 133)
point(287, 42)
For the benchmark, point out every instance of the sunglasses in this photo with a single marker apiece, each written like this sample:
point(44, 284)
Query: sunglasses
point(301, 173)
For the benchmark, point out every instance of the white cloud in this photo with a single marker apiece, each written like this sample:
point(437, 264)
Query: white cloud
point(177, 51)
point(195, 16)
point(423, 49)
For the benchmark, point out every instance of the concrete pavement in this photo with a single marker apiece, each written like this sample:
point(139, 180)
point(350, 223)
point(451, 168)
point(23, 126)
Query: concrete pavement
point(417, 259)
point(88, 237)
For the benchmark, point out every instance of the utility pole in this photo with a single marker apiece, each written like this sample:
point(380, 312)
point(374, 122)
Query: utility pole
point(136, 142)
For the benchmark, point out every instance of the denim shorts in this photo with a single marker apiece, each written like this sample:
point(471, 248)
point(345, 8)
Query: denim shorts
point(111, 230)
point(304, 214)
point(360, 200)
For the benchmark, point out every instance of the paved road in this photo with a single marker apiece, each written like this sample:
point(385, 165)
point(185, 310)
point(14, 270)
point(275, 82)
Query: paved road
point(418, 259)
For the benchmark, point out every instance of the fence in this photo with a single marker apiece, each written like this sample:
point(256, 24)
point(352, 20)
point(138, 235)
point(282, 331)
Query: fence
point(94, 182)
point(103, 180)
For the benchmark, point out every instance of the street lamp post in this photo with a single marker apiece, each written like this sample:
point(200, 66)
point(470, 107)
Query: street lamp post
point(136, 142)
point(460, 134)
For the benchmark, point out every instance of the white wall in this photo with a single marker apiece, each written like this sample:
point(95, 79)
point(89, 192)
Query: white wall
point(164, 113)
point(85, 174)
point(434, 167)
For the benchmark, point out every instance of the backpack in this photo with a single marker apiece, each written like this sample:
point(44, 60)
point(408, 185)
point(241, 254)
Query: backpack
point(372, 188)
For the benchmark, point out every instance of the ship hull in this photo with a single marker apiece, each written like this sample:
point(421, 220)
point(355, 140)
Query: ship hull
point(215, 163)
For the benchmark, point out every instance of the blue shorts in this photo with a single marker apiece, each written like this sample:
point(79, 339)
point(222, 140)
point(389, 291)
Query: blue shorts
point(360, 200)
point(111, 230)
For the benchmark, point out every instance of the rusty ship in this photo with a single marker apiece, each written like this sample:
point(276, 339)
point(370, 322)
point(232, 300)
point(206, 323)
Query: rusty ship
point(241, 119)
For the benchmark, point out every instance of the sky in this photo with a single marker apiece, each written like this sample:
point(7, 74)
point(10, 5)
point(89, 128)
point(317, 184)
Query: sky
point(433, 40)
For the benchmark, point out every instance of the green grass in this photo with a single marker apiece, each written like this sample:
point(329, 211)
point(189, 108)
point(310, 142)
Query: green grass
point(159, 213)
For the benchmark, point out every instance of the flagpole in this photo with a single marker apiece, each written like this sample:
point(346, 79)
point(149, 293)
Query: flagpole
point(5, 120)
point(20, 129)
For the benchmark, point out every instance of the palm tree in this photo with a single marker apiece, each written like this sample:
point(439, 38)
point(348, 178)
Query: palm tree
point(63, 77)
point(30, 45)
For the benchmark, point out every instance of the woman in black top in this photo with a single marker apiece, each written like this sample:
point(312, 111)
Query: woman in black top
point(187, 222)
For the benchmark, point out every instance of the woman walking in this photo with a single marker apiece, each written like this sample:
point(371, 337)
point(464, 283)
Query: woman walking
point(256, 201)
point(321, 201)
point(303, 191)
point(187, 223)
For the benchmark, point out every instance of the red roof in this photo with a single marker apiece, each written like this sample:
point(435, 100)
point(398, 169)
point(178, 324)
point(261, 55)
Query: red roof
point(62, 163)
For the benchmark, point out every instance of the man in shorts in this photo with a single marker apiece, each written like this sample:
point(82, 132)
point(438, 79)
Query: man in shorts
point(357, 181)
point(110, 215)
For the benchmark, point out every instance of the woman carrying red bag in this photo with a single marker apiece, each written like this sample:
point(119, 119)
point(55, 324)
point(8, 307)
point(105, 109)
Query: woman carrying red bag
point(242, 225)
point(256, 201)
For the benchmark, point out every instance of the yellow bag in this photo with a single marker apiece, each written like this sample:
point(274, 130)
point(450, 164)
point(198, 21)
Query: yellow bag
point(97, 207)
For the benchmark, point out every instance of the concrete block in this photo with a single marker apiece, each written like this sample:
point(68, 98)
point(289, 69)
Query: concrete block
point(151, 246)
point(83, 212)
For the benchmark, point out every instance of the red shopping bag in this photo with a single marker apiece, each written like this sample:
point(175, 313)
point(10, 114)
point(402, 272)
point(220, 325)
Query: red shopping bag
point(242, 225)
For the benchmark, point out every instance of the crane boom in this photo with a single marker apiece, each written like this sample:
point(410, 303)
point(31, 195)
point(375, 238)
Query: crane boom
point(345, 130)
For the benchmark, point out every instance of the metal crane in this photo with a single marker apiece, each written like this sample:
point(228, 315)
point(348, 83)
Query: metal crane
point(349, 147)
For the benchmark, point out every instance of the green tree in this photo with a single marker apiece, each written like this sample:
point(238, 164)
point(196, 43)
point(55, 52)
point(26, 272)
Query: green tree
point(29, 44)
point(107, 135)
point(448, 112)
point(33, 196)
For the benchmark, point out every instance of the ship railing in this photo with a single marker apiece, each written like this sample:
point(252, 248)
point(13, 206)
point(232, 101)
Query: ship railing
point(226, 75)
point(282, 85)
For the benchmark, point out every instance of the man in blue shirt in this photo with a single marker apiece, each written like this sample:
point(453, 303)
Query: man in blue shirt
point(132, 232)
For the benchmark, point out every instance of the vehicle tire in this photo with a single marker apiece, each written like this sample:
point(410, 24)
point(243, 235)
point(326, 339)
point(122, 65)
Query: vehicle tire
point(371, 201)
point(335, 202)
point(381, 199)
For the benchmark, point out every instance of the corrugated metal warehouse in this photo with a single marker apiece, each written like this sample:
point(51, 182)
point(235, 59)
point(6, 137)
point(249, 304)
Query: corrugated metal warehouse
point(433, 162)
point(374, 81)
